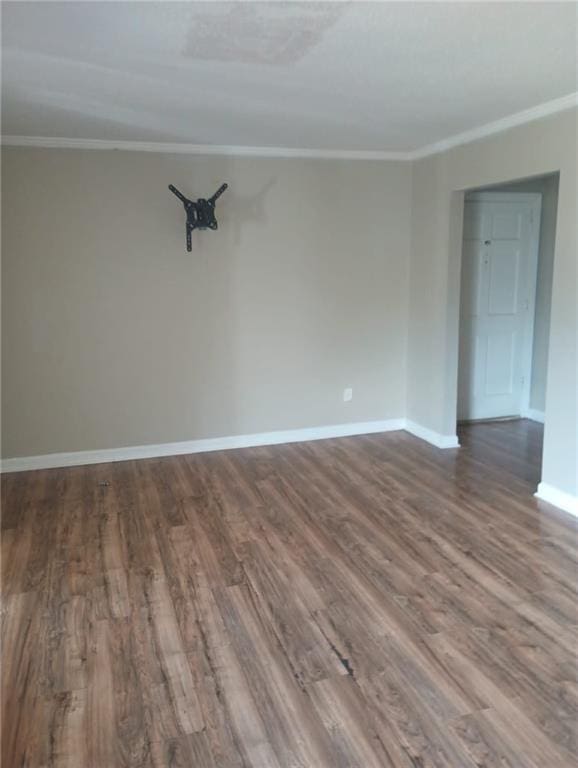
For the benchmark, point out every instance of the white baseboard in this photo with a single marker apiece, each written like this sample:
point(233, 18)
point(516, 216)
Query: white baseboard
point(533, 414)
point(558, 498)
point(79, 458)
point(435, 438)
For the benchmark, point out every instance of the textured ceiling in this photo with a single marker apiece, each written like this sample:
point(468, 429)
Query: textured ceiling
point(336, 76)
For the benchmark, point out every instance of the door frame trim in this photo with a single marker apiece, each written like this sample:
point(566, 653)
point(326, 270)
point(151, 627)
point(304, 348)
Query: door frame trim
point(534, 199)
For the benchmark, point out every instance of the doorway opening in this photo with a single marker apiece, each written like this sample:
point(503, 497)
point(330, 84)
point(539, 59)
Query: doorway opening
point(509, 233)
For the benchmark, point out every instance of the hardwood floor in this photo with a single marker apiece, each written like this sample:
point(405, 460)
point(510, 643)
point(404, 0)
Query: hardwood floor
point(365, 602)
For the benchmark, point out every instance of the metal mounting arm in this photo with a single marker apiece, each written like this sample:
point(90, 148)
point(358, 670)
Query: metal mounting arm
point(218, 193)
point(200, 214)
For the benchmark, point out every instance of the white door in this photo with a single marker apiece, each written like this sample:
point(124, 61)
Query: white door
point(499, 263)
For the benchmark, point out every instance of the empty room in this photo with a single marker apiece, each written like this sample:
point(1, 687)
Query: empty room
point(289, 424)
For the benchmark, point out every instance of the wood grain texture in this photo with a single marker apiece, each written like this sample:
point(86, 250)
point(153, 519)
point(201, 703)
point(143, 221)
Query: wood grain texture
point(364, 602)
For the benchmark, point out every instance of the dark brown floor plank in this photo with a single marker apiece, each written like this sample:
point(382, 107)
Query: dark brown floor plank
point(351, 603)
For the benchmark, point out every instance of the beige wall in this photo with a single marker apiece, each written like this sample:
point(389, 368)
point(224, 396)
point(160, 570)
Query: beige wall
point(114, 336)
point(323, 275)
point(542, 147)
point(547, 187)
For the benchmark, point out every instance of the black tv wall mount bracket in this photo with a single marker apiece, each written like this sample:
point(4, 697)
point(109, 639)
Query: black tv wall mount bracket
point(200, 214)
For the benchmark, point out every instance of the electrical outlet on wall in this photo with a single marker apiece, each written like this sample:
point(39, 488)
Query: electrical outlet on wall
point(347, 395)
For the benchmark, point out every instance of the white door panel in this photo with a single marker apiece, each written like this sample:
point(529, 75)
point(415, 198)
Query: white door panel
point(500, 364)
point(506, 224)
point(477, 224)
point(472, 267)
point(504, 266)
point(497, 295)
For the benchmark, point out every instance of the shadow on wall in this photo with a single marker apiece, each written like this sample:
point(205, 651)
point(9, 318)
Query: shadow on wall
point(233, 272)
point(248, 208)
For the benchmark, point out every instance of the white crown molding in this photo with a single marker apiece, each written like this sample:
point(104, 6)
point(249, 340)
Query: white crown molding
point(529, 115)
point(435, 438)
point(498, 126)
point(79, 458)
point(565, 501)
point(46, 142)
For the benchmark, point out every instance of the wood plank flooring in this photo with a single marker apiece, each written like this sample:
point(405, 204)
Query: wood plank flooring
point(365, 602)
